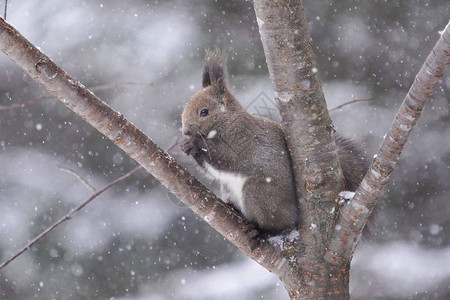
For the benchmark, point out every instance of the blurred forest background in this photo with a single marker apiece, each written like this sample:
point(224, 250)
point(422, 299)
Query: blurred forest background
point(137, 241)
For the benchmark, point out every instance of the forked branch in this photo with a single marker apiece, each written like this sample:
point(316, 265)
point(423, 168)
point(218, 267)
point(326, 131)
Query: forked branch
point(356, 212)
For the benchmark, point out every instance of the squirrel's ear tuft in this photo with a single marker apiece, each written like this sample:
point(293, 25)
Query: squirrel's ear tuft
point(215, 70)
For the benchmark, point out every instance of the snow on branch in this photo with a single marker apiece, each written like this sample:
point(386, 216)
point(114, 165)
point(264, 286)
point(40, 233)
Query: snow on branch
point(137, 145)
point(356, 212)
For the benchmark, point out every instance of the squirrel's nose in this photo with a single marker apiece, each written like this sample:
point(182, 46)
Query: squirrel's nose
point(187, 130)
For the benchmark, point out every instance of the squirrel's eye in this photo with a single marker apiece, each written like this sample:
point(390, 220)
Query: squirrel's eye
point(203, 112)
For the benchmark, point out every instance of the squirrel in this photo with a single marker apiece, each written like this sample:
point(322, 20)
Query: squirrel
point(248, 154)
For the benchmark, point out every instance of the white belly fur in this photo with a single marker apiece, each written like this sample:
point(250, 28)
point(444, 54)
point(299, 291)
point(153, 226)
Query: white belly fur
point(234, 181)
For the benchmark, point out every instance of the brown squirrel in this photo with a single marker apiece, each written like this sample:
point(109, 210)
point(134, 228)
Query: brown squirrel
point(248, 154)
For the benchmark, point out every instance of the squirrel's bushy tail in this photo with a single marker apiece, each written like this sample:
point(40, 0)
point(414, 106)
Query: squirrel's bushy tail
point(354, 162)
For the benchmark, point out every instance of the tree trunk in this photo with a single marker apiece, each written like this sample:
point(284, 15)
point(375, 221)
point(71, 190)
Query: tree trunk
point(317, 279)
point(308, 130)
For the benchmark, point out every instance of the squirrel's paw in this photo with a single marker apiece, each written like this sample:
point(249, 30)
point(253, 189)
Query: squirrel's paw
point(187, 146)
point(254, 235)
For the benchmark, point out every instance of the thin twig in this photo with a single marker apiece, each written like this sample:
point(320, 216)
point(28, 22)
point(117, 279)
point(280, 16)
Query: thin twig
point(84, 181)
point(68, 216)
point(23, 104)
point(113, 85)
point(6, 8)
point(176, 143)
point(96, 88)
point(350, 102)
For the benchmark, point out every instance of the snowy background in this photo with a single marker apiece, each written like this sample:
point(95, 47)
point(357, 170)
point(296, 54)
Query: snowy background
point(137, 241)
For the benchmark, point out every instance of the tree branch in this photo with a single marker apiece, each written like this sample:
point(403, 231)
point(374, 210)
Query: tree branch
point(356, 212)
point(138, 146)
point(68, 215)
